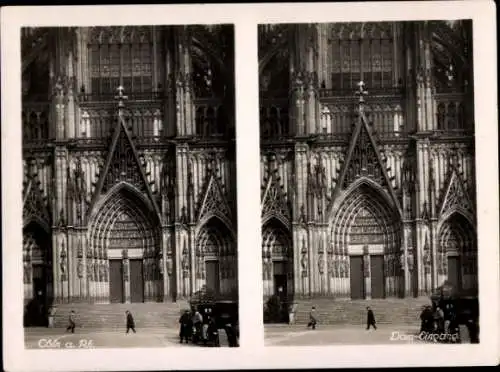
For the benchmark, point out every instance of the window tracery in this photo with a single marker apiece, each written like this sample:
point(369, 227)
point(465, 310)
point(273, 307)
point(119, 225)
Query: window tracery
point(120, 56)
point(361, 51)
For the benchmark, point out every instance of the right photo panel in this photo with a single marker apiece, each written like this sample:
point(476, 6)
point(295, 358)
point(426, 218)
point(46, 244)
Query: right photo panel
point(367, 157)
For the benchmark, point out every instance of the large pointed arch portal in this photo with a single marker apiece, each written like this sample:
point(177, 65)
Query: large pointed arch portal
point(37, 272)
point(277, 259)
point(124, 248)
point(457, 253)
point(215, 258)
point(366, 240)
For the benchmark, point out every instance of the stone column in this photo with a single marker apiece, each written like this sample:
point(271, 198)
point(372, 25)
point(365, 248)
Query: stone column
point(183, 90)
point(409, 67)
point(193, 263)
point(166, 264)
point(367, 273)
point(126, 276)
point(304, 84)
point(301, 246)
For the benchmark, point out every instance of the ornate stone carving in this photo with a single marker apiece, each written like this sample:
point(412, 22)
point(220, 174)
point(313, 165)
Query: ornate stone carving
point(456, 195)
point(185, 263)
point(274, 201)
point(214, 200)
point(199, 267)
point(34, 204)
point(303, 259)
point(321, 264)
point(62, 263)
point(80, 269)
point(27, 273)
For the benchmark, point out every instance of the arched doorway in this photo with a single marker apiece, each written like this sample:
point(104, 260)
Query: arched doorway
point(457, 253)
point(366, 240)
point(37, 266)
point(124, 249)
point(216, 266)
point(277, 260)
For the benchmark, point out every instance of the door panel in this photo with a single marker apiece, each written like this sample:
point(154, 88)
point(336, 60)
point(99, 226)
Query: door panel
point(280, 280)
point(357, 278)
point(116, 281)
point(136, 281)
point(212, 278)
point(454, 271)
point(377, 276)
point(39, 282)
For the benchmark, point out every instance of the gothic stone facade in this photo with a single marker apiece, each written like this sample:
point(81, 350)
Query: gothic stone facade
point(368, 190)
point(129, 163)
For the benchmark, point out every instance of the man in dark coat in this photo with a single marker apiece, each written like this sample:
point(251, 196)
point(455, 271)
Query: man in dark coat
point(232, 337)
point(370, 321)
point(185, 322)
point(473, 329)
point(312, 319)
point(130, 322)
point(71, 322)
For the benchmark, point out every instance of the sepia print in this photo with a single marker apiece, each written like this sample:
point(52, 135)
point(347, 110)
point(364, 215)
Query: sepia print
point(129, 196)
point(368, 183)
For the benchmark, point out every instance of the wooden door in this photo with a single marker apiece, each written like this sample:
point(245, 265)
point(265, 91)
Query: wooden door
point(357, 278)
point(280, 280)
point(39, 282)
point(212, 276)
point(116, 281)
point(377, 276)
point(454, 271)
point(136, 281)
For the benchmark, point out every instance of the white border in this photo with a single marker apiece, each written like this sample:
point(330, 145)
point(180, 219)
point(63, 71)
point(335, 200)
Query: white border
point(252, 353)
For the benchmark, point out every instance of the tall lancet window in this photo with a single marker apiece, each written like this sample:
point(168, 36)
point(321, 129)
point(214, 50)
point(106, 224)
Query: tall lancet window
point(361, 51)
point(120, 56)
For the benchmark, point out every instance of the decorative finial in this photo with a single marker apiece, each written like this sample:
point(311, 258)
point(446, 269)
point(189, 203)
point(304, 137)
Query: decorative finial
point(361, 92)
point(121, 97)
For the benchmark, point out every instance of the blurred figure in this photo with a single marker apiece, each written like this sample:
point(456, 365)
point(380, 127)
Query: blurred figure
point(185, 326)
point(473, 329)
point(370, 318)
point(197, 322)
point(71, 322)
point(213, 333)
point(232, 337)
point(312, 318)
point(439, 319)
point(130, 322)
point(426, 320)
point(52, 314)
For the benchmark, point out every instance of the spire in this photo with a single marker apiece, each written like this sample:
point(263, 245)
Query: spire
point(363, 158)
point(455, 194)
point(123, 163)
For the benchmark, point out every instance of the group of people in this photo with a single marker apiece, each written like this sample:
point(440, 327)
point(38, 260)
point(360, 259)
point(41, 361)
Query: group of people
point(197, 328)
point(444, 320)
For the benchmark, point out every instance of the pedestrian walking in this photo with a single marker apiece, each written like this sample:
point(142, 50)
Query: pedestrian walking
point(185, 322)
point(130, 322)
point(312, 318)
point(370, 319)
point(71, 322)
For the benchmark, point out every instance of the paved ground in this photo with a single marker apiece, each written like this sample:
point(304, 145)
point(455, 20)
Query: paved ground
point(283, 335)
point(45, 338)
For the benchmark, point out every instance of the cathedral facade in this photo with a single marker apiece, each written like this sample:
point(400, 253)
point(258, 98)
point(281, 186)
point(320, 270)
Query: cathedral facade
point(129, 163)
point(367, 159)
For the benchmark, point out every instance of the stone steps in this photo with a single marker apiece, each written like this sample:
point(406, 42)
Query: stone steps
point(387, 311)
point(112, 316)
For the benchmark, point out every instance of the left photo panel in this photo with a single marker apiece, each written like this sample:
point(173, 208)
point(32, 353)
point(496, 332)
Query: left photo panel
point(129, 186)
